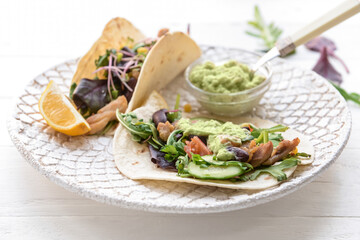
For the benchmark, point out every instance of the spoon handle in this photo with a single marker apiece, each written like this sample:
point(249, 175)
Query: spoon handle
point(342, 12)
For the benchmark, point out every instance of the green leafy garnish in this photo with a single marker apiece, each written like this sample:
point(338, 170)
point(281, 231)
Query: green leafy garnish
point(173, 148)
point(140, 131)
point(269, 33)
point(275, 170)
point(275, 138)
point(103, 60)
point(173, 151)
point(181, 165)
point(354, 97)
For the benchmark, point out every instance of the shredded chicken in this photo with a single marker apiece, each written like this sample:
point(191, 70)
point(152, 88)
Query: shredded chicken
point(164, 130)
point(162, 32)
point(282, 150)
point(262, 154)
point(99, 120)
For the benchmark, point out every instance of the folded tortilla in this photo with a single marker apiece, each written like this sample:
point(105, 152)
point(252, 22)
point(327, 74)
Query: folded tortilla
point(171, 54)
point(134, 161)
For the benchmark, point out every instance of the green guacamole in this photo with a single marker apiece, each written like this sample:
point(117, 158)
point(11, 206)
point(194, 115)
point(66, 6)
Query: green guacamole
point(230, 77)
point(219, 134)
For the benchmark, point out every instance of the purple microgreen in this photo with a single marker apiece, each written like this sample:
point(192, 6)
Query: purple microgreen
point(318, 43)
point(324, 68)
point(127, 66)
point(113, 57)
point(109, 78)
point(188, 29)
point(122, 80)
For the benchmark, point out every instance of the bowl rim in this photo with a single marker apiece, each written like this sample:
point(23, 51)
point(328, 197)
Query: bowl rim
point(267, 66)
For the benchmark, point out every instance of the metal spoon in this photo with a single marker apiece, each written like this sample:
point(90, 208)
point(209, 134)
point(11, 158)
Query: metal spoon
point(286, 45)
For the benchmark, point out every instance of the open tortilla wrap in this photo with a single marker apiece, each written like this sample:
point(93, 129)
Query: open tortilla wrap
point(134, 161)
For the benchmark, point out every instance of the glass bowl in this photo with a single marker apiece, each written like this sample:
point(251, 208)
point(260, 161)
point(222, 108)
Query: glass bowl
point(230, 104)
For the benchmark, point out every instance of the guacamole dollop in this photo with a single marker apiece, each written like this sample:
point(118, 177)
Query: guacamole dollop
point(230, 77)
point(220, 135)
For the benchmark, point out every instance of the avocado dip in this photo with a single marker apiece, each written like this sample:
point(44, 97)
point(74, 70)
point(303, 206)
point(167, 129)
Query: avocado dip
point(220, 135)
point(230, 77)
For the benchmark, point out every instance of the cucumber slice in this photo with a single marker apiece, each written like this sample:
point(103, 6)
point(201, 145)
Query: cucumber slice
point(214, 172)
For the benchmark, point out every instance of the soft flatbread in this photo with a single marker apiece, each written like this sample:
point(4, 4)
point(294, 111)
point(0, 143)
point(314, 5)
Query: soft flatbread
point(171, 54)
point(133, 159)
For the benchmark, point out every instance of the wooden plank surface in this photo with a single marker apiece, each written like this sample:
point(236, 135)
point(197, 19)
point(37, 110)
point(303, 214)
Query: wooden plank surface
point(35, 35)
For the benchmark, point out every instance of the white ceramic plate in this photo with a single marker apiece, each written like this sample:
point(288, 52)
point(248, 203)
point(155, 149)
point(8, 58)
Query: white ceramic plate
point(297, 98)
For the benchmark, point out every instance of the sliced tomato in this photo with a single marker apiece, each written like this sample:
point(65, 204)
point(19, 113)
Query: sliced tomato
point(196, 146)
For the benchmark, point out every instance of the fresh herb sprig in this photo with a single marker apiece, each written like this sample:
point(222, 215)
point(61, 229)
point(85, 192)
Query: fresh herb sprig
point(269, 33)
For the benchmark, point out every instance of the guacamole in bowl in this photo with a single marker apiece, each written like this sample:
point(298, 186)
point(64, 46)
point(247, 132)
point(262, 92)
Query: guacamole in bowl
point(224, 86)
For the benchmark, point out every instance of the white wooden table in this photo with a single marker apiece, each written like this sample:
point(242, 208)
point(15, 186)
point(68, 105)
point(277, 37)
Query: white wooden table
point(35, 35)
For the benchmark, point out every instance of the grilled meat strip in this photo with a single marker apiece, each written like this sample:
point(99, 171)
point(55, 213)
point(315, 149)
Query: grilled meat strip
point(107, 113)
point(281, 151)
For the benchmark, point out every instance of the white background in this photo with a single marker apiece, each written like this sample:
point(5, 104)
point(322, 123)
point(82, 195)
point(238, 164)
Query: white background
point(35, 35)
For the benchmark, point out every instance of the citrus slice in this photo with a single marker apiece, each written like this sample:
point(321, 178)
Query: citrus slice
point(60, 113)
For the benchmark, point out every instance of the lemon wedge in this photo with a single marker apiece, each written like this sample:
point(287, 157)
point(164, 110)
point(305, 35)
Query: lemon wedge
point(59, 112)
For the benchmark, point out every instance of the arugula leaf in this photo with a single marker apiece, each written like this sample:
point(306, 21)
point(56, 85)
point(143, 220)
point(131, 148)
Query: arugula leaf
point(275, 138)
point(141, 132)
point(172, 137)
point(181, 165)
point(354, 97)
point(173, 148)
point(103, 60)
point(173, 151)
point(269, 33)
point(275, 170)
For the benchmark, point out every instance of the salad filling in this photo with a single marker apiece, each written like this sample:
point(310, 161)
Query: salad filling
point(116, 76)
point(204, 148)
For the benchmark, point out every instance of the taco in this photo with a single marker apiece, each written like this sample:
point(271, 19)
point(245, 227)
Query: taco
point(123, 67)
point(156, 143)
